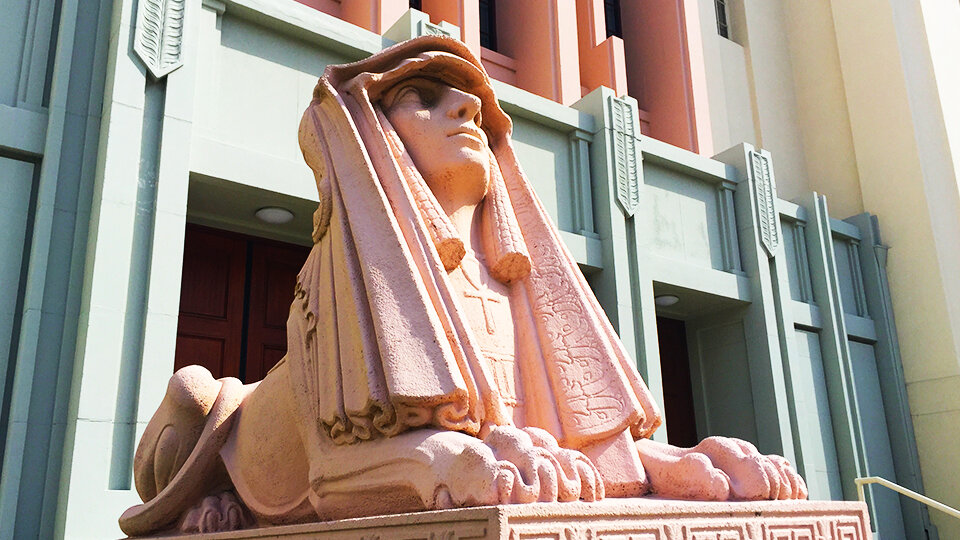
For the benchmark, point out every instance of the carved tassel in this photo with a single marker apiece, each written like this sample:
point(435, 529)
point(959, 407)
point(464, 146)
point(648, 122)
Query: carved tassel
point(448, 243)
point(503, 244)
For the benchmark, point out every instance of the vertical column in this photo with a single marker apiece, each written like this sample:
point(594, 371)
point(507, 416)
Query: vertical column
point(665, 70)
point(66, 76)
point(873, 266)
point(541, 35)
point(860, 433)
point(759, 235)
point(728, 227)
point(129, 317)
point(602, 60)
point(582, 191)
point(833, 344)
point(374, 15)
point(93, 415)
point(462, 13)
point(622, 287)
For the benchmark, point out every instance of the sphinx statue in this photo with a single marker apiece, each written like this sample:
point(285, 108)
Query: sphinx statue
point(444, 349)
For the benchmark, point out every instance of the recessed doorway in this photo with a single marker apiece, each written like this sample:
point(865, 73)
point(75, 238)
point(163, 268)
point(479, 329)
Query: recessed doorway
point(677, 390)
point(235, 296)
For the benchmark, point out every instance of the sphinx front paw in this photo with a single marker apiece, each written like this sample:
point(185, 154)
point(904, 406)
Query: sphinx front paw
point(216, 513)
point(536, 469)
point(719, 468)
point(512, 465)
point(753, 476)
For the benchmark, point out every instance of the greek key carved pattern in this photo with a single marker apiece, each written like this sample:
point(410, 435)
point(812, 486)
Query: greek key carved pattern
point(625, 161)
point(765, 195)
point(158, 35)
point(812, 521)
point(745, 528)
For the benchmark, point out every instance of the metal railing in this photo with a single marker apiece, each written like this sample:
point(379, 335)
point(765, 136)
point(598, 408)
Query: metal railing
point(904, 491)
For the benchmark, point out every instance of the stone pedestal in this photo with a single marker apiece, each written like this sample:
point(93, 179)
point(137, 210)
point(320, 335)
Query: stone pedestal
point(623, 519)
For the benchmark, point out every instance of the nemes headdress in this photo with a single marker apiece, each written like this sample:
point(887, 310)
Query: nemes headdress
point(387, 348)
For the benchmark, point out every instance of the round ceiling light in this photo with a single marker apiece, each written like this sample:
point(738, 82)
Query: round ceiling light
point(274, 215)
point(666, 300)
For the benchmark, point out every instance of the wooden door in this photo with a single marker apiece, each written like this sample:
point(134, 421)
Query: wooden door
point(273, 277)
point(211, 301)
point(235, 295)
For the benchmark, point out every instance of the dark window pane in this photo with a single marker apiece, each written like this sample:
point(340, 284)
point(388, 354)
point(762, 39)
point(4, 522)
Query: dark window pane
point(723, 28)
point(611, 12)
point(416, 4)
point(488, 25)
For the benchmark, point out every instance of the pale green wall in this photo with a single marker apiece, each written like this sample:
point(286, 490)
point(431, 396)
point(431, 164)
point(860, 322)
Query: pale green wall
point(16, 183)
point(51, 91)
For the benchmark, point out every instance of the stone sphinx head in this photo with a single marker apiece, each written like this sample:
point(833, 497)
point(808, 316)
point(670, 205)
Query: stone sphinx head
point(415, 137)
point(440, 127)
point(427, 108)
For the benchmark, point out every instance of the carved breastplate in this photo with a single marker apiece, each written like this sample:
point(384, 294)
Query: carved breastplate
point(487, 308)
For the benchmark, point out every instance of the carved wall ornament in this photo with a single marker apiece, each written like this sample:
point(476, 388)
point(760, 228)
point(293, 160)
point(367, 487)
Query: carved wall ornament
point(159, 35)
point(626, 160)
point(427, 28)
point(765, 200)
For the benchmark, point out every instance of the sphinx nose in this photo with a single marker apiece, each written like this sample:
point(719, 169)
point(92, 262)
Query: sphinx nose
point(464, 106)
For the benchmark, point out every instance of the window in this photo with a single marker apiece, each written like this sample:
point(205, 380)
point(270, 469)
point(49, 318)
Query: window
point(723, 27)
point(488, 25)
point(611, 12)
point(416, 4)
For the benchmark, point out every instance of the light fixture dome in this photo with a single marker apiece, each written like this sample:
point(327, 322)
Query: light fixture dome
point(274, 215)
point(666, 300)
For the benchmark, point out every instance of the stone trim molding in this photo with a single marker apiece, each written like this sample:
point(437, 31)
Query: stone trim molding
point(646, 518)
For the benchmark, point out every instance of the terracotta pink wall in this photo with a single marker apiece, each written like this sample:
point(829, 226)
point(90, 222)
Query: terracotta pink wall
point(330, 7)
point(374, 15)
point(659, 70)
point(558, 49)
point(541, 35)
point(463, 13)
point(602, 60)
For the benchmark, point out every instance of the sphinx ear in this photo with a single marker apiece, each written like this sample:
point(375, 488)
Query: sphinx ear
point(314, 148)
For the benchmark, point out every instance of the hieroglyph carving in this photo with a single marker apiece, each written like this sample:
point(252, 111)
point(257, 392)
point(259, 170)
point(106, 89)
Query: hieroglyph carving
point(765, 197)
point(159, 35)
point(625, 163)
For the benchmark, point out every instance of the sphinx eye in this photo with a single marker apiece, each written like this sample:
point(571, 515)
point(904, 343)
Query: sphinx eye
point(416, 92)
point(429, 93)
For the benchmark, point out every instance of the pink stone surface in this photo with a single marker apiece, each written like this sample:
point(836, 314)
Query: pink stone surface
point(444, 349)
point(637, 519)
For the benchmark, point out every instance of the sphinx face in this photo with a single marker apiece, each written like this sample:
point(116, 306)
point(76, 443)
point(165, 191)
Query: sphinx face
point(440, 128)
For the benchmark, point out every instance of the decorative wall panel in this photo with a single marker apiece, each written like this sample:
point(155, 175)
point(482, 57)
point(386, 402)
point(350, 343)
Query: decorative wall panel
point(159, 34)
point(626, 167)
point(765, 193)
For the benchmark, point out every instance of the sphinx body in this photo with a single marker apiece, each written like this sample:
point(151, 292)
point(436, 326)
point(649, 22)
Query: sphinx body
point(443, 348)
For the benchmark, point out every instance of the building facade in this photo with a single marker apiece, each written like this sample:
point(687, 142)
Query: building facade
point(687, 150)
